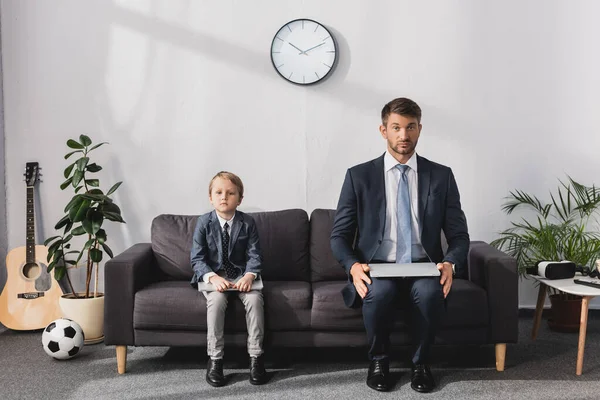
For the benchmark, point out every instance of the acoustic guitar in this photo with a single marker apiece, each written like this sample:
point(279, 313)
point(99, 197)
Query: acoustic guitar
point(30, 296)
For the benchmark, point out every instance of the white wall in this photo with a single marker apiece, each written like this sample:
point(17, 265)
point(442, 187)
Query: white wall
point(183, 89)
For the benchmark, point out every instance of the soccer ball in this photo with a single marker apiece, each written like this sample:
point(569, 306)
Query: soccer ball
point(62, 339)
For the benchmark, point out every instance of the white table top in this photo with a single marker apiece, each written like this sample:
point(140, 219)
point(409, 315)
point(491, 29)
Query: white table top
point(568, 286)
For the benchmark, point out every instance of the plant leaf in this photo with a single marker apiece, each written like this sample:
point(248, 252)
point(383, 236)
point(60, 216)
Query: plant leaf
point(93, 221)
point(66, 183)
point(94, 167)
point(101, 236)
point(114, 188)
point(74, 145)
point(74, 202)
point(50, 239)
point(107, 250)
point(82, 163)
point(96, 255)
point(78, 231)
point(71, 153)
point(96, 146)
point(113, 217)
point(85, 140)
point(63, 221)
point(78, 212)
point(77, 177)
point(68, 170)
point(92, 182)
point(59, 272)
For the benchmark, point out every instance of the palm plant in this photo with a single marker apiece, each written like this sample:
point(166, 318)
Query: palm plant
point(560, 230)
point(85, 214)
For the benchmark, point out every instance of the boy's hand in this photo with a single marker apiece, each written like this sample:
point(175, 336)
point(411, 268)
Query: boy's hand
point(220, 283)
point(245, 283)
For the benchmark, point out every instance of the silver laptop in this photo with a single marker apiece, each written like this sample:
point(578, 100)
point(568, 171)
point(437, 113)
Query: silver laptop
point(257, 284)
point(390, 270)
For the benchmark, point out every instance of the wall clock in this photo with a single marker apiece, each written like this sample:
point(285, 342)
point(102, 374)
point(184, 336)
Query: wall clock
point(303, 52)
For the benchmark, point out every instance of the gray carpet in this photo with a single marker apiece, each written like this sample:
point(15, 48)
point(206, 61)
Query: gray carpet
point(541, 369)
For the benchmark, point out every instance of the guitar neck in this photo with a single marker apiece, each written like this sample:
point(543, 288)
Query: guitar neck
point(30, 239)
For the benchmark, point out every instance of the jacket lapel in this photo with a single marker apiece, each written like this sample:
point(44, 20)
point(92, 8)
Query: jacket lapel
point(236, 226)
point(424, 175)
point(215, 229)
point(379, 190)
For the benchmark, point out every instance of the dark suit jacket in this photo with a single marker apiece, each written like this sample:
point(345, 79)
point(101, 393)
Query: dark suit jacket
point(244, 247)
point(360, 218)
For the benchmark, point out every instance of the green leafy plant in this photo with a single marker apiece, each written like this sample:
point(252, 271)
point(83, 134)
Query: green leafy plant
point(85, 215)
point(559, 231)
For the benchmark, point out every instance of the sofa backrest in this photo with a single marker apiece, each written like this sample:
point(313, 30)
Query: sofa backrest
point(284, 237)
point(323, 266)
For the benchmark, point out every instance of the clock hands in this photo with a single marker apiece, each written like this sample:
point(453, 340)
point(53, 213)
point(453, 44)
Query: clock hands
point(300, 50)
point(314, 47)
point(305, 51)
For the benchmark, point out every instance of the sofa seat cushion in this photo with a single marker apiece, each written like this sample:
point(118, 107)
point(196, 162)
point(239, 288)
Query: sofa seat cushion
point(287, 305)
point(175, 305)
point(329, 313)
point(169, 305)
point(466, 307)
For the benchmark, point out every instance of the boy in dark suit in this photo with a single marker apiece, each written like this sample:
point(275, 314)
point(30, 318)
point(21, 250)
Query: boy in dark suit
point(226, 254)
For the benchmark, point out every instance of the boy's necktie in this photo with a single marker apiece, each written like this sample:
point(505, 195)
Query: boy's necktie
point(229, 268)
point(403, 242)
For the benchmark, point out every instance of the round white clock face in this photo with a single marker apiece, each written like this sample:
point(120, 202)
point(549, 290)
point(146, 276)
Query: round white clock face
point(303, 52)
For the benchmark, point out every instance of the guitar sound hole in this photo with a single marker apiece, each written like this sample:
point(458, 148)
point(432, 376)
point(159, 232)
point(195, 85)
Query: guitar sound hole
point(31, 271)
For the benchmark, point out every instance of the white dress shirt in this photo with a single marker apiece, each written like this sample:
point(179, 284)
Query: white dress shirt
point(387, 250)
point(222, 221)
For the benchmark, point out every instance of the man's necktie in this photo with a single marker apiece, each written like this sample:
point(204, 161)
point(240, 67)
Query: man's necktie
point(403, 243)
point(229, 268)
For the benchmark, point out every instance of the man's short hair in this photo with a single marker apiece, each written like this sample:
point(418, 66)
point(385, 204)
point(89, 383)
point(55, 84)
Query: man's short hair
point(401, 106)
point(231, 177)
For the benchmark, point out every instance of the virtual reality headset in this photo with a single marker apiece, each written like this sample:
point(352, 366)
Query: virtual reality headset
point(554, 269)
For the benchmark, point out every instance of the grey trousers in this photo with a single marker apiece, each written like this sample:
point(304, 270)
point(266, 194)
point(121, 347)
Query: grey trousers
point(216, 304)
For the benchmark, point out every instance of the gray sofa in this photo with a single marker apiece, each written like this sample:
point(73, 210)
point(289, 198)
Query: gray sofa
point(150, 302)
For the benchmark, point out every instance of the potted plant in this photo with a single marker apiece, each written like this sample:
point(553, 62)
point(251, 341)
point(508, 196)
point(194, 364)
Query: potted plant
point(558, 231)
point(83, 237)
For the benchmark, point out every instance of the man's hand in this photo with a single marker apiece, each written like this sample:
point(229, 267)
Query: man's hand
point(220, 283)
point(445, 269)
point(245, 283)
point(359, 277)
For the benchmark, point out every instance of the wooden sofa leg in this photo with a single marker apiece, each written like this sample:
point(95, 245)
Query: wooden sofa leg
point(500, 356)
point(121, 358)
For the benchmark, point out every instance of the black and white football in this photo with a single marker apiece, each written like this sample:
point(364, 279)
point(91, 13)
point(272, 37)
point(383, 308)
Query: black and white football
point(62, 339)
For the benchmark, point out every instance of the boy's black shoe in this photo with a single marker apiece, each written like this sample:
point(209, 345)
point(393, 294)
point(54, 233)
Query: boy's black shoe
point(258, 374)
point(422, 379)
point(214, 373)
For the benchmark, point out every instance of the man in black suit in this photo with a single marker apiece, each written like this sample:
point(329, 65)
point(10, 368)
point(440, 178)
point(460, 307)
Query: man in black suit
point(394, 209)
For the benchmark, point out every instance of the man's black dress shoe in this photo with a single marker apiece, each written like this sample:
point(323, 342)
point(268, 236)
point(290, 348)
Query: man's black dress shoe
point(258, 374)
point(421, 379)
point(378, 376)
point(214, 373)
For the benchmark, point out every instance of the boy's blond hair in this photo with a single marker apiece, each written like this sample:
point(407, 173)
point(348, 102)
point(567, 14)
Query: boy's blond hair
point(233, 178)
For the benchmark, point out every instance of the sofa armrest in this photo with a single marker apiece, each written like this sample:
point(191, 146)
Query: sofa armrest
point(124, 275)
point(496, 272)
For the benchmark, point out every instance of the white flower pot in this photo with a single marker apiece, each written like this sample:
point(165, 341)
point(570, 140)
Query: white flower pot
point(88, 313)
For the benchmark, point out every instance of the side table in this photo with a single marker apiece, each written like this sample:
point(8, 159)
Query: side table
point(566, 286)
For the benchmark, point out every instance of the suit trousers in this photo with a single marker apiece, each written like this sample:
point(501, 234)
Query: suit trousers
point(216, 304)
point(425, 307)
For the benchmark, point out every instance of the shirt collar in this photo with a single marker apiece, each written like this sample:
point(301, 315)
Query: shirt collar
point(390, 162)
point(223, 220)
